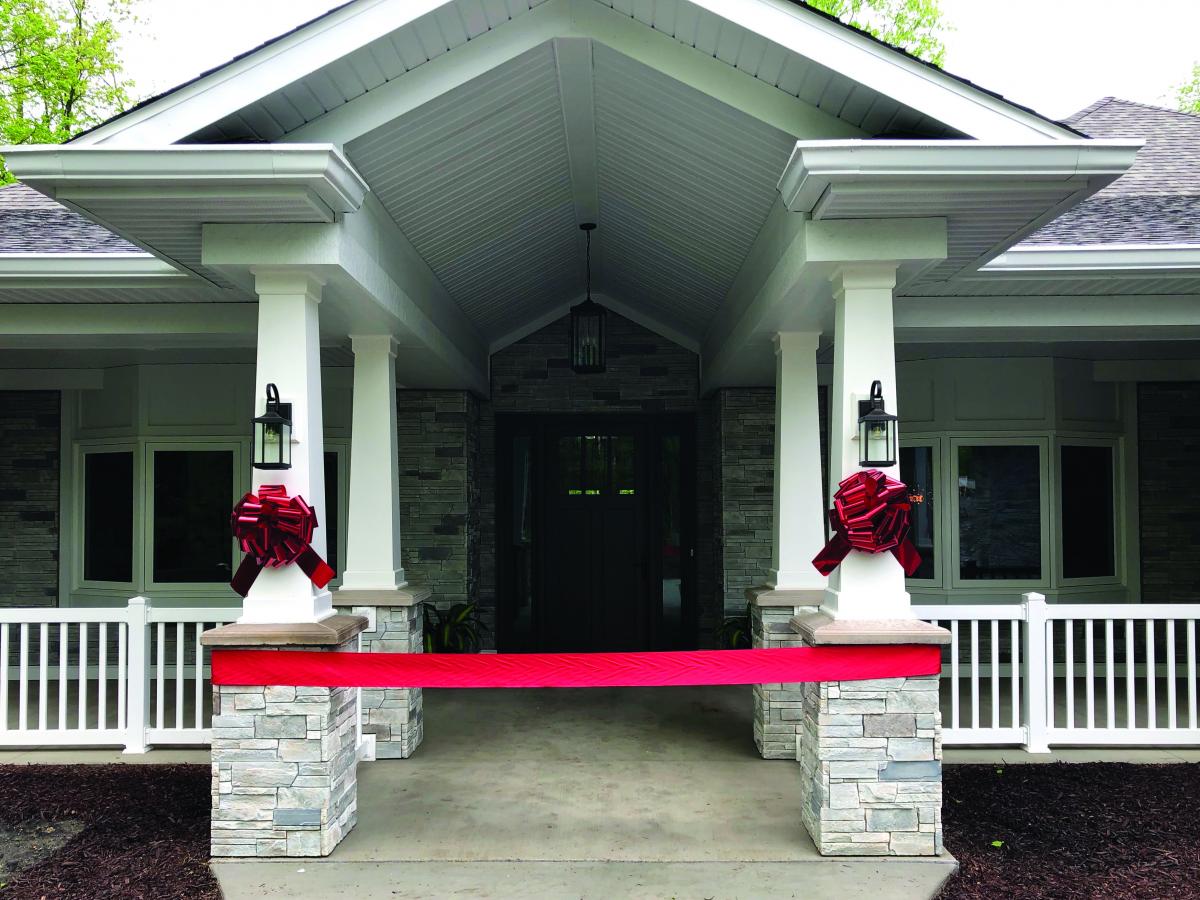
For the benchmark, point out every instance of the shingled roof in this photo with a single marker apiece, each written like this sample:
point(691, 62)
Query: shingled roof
point(33, 223)
point(1155, 202)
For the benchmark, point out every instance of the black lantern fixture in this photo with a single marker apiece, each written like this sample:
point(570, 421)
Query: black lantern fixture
point(273, 434)
point(587, 322)
point(876, 432)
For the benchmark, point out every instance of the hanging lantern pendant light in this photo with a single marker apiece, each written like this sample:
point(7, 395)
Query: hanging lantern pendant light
point(587, 322)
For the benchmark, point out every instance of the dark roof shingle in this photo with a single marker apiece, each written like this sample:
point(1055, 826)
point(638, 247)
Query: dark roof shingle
point(33, 223)
point(1158, 200)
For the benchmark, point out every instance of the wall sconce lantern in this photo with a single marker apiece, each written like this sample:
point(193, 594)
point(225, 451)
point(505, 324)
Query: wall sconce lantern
point(587, 322)
point(876, 432)
point(273, 434)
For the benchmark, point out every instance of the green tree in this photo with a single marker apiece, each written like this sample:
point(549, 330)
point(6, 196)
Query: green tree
point(1187, 95)
point(59, 68)
point(915, 25)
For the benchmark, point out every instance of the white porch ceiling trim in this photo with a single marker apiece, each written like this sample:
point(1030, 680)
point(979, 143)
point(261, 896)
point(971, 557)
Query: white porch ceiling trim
point(1065, 260)
point(88, 269)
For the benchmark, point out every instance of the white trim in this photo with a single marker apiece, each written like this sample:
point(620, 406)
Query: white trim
point(815, 166)
point(106, 270)
point(321, 43)
point(83, 172)
point(1081, 259)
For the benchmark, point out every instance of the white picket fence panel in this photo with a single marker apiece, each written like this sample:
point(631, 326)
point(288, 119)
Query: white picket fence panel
point(1069, 674)
point(106, 677)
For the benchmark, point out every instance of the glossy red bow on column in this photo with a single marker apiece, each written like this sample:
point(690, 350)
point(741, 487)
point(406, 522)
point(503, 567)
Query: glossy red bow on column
point(276, 530)
point(870, 513)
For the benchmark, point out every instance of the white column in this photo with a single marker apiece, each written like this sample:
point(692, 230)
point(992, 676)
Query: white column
point(864, 585)
point(373, 560)
point(799, 519)
point(289, 356)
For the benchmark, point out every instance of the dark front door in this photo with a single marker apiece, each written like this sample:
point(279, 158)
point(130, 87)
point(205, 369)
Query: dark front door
point(594, 578)
point(595, 535)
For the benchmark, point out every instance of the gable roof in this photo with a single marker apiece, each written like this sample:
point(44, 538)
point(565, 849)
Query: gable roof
point(893, 48)
point(33, 223)
point(1158, 200)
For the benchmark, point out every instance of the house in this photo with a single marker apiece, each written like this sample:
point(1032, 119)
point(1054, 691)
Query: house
point(379, 213)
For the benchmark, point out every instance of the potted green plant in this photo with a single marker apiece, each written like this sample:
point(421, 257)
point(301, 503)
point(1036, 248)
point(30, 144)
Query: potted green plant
point(453, 630)
point(735, 632)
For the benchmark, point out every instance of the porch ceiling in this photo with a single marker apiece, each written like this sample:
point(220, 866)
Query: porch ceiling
point(488, 183)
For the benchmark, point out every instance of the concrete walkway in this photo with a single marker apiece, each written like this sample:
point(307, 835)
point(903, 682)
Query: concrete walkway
point(597, 793)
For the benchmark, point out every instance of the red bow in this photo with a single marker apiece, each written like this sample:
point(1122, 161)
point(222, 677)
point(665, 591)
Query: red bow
point(276, 530)
point(870, 513)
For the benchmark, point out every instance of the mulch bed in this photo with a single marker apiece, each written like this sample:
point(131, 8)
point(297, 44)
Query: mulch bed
point(1110, 831)
point(1062, 831)
point(144, 831)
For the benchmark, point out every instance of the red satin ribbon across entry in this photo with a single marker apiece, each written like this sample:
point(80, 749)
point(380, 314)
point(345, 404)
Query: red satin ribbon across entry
point(572, 670)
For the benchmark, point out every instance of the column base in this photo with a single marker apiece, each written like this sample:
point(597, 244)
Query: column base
point(870, 751)
point(777, 707)
point(394, 717)
point(284, 759)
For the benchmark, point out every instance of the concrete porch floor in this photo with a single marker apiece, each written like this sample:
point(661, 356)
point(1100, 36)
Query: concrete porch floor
point(582, 793)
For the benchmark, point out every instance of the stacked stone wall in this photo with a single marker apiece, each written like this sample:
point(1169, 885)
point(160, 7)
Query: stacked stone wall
point(29, 495)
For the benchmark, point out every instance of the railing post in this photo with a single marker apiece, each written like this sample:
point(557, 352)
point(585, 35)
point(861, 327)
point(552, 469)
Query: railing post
point(1033, 672)
point(137, 675)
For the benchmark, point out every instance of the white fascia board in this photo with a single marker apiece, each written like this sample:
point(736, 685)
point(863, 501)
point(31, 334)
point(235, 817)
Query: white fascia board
point(319, 169)
point(815, 166)
point(85, 268)
point(1081, 259)
point(226, 90)
point(940, 96)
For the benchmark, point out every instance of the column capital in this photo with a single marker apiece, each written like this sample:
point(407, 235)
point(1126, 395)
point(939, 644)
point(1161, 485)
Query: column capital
point(291, 281)
point(796, 341)
point(374, 343)
point(864, 276)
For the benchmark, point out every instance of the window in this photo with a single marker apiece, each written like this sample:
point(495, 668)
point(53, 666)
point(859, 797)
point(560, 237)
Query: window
point(192, 493)
point(999, 512)
point(329, 516)
point(917, 472)
point(108, 516)
point(1088, 528)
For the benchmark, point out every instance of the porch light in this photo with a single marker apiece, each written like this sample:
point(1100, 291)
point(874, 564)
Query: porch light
point(273, 434)
point(877, 433)
point(587, 322)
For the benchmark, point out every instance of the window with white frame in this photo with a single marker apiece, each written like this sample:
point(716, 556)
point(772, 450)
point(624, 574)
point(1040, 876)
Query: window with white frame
point(153, 516)
point(1014, 511)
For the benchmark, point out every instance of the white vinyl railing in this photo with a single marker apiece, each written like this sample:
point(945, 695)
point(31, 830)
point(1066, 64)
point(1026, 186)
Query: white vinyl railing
point(1069, 674)
point(130, 676)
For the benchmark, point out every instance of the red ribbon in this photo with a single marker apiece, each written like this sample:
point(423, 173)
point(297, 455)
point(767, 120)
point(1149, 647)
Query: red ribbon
point(276, 530)
point(574, 670)
point(870, 513)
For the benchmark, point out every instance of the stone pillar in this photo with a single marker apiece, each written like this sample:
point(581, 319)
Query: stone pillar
point(870, 752)
point(777, 707)
point(284, 759)
point(392, 718)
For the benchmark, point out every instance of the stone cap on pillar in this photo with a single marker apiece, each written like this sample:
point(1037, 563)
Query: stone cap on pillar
point(329, 632)
point(410, 595)
point(821, 628)
point(768, 596)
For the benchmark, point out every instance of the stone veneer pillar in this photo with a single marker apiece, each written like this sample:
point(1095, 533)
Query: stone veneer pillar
point(392, 718)
point(870, 751)
point(778, 708)
point(284, 758)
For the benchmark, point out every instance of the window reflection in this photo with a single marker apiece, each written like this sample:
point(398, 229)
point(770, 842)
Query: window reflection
point(999, 513)
point(916, 471)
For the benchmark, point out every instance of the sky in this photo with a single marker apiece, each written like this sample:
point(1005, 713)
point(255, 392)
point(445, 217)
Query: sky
point(1056, 56)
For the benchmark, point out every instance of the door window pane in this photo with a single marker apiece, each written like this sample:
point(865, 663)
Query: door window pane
point(192, 498)
point(916, 471)
point(999, 513)
point(623, 451)
point(570, 473)
point(108, 517)
point(1087, 512)
point(595, 464)
point(672, 544)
